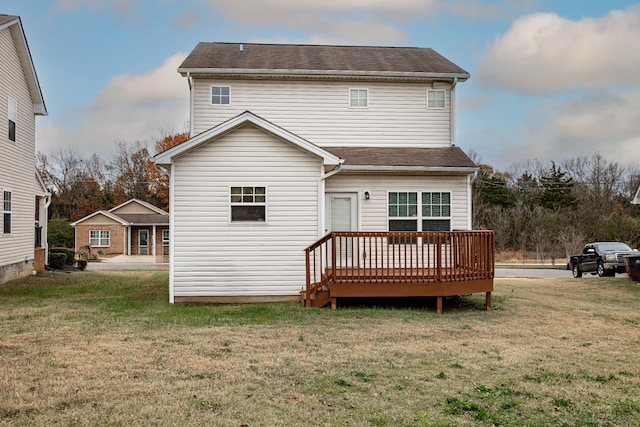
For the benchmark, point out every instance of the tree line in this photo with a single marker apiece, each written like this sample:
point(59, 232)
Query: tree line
point(548, 209)
point(80, 186)
point(552, 209)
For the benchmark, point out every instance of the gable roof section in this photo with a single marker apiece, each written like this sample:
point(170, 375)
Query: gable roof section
point(15, 25)
point(263, 60)
point(141, 203)
point(403, 159)
point(105, 213)
point(167, 157)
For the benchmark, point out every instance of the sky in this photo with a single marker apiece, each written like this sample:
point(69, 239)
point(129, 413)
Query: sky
point(550, 80)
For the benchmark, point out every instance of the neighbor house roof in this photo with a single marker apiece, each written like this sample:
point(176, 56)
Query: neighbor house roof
point(156, 217)
point(409, 159)
point(263, 60)
point(15, 26)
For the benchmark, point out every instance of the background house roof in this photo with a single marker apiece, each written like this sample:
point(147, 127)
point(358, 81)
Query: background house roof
point(427, 158)
point(145, 219)
point(215, 57)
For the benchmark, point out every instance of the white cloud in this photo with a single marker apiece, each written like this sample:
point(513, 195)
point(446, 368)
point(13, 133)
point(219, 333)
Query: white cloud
point(357, 21)
point(545, 53)
point(606, 122)
point(130, 108)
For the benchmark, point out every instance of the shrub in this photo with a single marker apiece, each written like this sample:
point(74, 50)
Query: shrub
point(57, 260)
point(70, 254)
point(60, 232)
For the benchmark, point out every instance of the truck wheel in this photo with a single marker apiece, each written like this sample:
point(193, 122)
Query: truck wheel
point(575, 269)
point(601, 271)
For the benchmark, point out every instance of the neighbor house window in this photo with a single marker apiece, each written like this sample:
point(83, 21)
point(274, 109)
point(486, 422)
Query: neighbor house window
point(13, 118)
point(220, 95)
point(435, 99)
point(419, 211)
point(358, 98)
point(99, 237)
point(6, 212)
point(248, 204)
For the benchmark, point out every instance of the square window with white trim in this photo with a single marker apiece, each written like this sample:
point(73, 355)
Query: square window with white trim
point(248, 204)
point(220, 95)
point(99, 238)
point(436, 99)
point(358, 98)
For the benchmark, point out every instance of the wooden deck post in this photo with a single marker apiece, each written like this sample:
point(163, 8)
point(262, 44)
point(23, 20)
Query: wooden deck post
point(334, 303)
point(488, 301)
point(439, 305)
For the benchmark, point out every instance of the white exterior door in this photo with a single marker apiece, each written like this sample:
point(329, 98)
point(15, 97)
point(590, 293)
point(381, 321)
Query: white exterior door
point(342, 215)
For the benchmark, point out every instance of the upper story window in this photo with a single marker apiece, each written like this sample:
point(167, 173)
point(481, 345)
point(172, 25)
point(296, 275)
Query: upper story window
point(436, 99)
point(248, 204)
point(6, 212)
point(13, 118)
point(358, 98)
point(220, 95)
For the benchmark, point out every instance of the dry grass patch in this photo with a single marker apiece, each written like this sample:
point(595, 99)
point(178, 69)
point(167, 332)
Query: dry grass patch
point(102, 348)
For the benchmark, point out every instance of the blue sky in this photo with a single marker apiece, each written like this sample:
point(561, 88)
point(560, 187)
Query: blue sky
point(550, 80)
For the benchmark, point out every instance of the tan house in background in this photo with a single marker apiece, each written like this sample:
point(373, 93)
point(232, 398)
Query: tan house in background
point(132, 228)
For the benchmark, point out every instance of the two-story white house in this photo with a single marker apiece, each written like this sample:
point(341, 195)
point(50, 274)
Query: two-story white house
point(23, 197)
point(290, 142)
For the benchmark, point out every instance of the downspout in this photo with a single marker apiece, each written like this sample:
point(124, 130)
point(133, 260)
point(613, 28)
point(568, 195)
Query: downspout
point(452, 108)
point(191, 102)
point(165, 171)
point(45, 228)
point(321, 198)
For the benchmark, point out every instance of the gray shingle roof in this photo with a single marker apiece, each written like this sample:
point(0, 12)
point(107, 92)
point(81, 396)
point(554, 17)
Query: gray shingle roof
point(214, 57)
point(144, 219)
point(440, 157)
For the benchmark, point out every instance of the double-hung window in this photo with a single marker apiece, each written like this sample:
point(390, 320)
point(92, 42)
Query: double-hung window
point(248, 204)
point(436, 99)
point(419, 211)
point(358, 98)
point(220, 95)
point(13, 118)
point(6, 212)
point(99, 238)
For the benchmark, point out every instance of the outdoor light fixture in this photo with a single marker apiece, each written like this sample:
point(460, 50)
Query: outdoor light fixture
point(367, 196)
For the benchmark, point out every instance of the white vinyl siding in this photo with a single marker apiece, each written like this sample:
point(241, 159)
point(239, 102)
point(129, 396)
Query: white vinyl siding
point(17, 171)
point(374, 212)
point(213, 257)
point(319, 112)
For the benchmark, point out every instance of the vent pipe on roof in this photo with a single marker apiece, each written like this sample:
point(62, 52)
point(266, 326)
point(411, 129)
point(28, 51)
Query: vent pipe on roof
point(241, 48)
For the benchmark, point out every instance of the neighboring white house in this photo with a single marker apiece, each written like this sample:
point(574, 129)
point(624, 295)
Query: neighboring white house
point(23, 197)
point(292, 141)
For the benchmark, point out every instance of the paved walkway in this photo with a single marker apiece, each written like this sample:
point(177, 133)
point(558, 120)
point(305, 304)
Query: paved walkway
point(128, 262)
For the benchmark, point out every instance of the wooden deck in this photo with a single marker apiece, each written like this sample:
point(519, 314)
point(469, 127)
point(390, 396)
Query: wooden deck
point(385, 264)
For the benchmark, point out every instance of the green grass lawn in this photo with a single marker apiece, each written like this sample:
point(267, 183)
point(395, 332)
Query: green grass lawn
point(106, 348)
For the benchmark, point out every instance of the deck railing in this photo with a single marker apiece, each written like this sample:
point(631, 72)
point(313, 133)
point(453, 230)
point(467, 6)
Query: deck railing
point(399, 257)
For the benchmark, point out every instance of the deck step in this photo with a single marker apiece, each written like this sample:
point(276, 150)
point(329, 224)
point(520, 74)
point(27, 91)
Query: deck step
point(318, 299)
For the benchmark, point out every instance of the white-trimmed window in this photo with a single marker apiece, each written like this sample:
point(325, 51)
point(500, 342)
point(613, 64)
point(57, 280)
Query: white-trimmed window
point(436, 99)
point(13, 119)
point(419, 211)
point(358, 98)
point(6, 212)
point(99, 238)
point(220, 95)
point(248, 204)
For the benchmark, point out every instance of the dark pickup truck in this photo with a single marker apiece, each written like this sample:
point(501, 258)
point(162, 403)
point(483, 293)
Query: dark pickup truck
point(601, 258)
